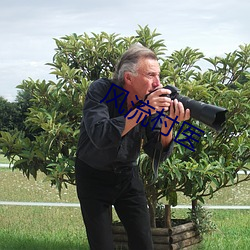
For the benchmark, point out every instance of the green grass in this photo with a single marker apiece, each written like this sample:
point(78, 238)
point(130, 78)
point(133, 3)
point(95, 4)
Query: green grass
point(233, 231)
point(35, 228)
point(18, 188)
point(54, 228)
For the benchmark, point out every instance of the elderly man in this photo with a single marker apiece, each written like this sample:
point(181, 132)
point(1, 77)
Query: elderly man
point(112, 130)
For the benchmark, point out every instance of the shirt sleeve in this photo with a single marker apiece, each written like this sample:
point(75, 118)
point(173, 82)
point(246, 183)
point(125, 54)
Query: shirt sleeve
point(103, 130)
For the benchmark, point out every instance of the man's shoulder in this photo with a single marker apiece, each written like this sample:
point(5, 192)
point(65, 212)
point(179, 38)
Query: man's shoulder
point(101, 83)
point(104, 85)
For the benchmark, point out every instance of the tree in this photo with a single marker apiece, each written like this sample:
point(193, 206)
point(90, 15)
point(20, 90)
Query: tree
point(10, 115)
point(56, 109)
point(23, 103)
point(218, 156)
point(13, 114)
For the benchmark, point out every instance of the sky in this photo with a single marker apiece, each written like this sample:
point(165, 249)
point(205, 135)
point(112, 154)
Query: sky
point(28, 29)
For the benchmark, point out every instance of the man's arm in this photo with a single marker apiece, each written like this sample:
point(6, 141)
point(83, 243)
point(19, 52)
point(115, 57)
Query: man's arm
point(131, 123)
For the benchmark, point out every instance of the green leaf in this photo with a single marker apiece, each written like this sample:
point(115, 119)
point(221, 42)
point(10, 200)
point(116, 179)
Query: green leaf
point(172, 197)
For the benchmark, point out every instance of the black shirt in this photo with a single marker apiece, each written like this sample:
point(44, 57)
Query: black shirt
point(101, 145)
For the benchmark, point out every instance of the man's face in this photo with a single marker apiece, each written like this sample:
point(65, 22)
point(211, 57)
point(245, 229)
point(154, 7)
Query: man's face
point(147, 78)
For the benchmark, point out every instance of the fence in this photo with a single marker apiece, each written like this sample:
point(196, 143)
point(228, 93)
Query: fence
point(65, 204)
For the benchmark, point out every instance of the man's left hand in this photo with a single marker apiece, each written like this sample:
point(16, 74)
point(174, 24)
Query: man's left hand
point(177, 109)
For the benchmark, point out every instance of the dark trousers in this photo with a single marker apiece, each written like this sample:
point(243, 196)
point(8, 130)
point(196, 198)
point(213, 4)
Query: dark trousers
point(98, 191)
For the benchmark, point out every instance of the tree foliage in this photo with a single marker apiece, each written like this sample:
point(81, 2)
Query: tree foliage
point(11, 115)
point(48, 141)
point(218, 156)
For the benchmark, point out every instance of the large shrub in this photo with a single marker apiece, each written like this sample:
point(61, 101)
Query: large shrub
point(52, 123)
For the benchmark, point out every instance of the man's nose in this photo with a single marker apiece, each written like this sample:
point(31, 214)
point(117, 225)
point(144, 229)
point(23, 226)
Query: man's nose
point(157, 82)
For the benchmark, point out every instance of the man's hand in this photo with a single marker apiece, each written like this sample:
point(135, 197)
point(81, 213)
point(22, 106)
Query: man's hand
point(174, 107)
point(177, 109)
point(159, 102)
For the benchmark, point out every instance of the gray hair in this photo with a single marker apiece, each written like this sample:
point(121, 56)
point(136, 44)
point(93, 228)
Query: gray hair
point(129, 61)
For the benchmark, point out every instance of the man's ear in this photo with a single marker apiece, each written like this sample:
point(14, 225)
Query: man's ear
point(128, 78)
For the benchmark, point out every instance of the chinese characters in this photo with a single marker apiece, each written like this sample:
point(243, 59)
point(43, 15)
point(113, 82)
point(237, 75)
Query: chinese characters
point(186, 136)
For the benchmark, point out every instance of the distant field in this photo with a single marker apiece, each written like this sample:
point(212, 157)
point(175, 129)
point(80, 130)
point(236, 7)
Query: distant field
point(236, 195)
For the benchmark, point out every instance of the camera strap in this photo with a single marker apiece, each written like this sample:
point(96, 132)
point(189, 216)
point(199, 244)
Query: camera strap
point(157, 157)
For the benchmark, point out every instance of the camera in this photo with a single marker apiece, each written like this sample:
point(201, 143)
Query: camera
point(211, 115)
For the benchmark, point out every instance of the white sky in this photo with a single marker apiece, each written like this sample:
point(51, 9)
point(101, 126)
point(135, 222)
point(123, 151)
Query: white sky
point(27, 29)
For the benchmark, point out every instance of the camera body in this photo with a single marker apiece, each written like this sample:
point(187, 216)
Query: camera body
point(174, 92)
point(211, 115)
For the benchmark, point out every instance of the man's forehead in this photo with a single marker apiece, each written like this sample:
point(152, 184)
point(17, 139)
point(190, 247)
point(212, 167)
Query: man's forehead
point(148, 64)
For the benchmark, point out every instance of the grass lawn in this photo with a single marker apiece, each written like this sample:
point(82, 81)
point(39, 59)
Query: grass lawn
point(35, 228)
point(45, 228)
point(233, 231)
point(61, 228)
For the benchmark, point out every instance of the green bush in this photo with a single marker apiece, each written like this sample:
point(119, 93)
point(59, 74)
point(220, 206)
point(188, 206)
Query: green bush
point(48, 142)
